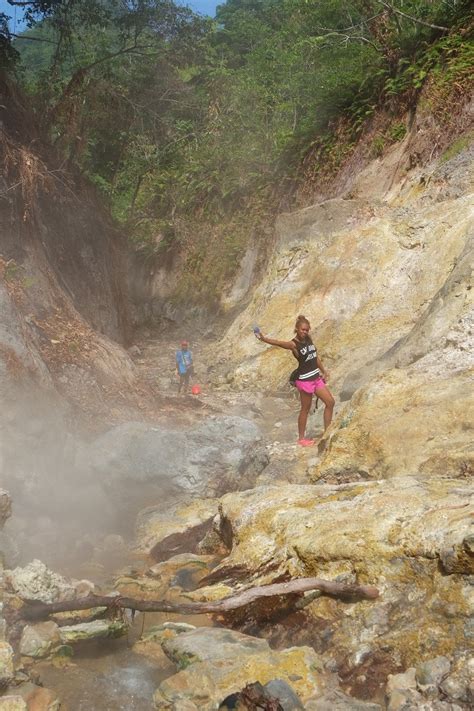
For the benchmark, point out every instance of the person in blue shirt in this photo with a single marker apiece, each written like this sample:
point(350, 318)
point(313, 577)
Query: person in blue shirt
point(184, 366)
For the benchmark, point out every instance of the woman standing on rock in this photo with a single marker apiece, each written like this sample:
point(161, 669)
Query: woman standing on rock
point(310, 375)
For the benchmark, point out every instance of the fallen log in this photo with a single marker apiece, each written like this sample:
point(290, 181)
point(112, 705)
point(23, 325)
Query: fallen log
point(35, 610)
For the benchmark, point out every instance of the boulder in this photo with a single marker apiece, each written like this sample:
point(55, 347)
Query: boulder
point(98, 629)
point(39, 640)
point(214, 663)
point(217, 455)
point(7, 671)
point(390, 536)
point(166, 531)
point(37, 582)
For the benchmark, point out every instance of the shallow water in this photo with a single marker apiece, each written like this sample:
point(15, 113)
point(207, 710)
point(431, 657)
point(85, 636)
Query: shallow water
point(107, 675)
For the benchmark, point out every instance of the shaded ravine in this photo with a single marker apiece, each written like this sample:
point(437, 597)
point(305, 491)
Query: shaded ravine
point(109, 674)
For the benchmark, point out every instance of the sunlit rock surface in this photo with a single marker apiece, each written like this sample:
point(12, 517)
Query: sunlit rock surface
point(387, 287)
point(13, 703)
point(404, 536)
point(6, 664)
point(173, 528)
point(217, 662)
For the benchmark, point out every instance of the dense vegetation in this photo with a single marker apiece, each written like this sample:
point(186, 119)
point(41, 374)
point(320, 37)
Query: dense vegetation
point(183, 121)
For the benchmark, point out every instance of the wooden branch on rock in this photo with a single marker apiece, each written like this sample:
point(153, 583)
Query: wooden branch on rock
point(40, 610)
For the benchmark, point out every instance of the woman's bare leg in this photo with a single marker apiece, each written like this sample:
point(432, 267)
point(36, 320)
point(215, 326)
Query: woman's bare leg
point(304, 412)
point(325, 395)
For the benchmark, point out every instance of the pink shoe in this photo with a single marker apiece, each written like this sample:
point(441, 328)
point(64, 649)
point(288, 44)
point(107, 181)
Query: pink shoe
point(306, 442)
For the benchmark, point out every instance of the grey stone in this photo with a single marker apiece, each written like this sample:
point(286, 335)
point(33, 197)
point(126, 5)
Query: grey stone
point(206, 643)
point(209, 459)
point(279, 689)
point(39, 640)
point(430, 674)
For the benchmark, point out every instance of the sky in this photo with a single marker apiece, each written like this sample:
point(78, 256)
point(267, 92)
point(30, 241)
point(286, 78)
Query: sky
point(204, 7)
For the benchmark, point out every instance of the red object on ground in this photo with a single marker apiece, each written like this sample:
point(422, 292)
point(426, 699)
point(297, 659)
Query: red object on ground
point(196, 390)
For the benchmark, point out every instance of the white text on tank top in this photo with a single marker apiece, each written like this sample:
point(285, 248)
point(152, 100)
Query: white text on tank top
point(307, 361)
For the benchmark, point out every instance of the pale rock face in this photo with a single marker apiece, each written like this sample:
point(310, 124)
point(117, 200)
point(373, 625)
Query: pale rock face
point(36, 582)
point(5, 504)
point(389, 533)
point(6, 664)
point(39, 640)
point(217, 662)
point(13, 703)
point(387, 288)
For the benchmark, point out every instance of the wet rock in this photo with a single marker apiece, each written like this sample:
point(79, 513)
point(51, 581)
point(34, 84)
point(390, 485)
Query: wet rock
point(36, 582)
point(150, 642)
point(39, 640)
point(184, 570)
point(214, 663)
point(98, 629)
point(7, 671)
point(167, 531)
point(38, 698)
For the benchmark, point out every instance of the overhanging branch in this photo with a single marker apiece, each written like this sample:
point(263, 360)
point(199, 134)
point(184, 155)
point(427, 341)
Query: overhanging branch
point(34, 610)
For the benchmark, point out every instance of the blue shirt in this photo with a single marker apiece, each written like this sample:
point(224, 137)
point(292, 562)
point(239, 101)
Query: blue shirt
point(184, 359)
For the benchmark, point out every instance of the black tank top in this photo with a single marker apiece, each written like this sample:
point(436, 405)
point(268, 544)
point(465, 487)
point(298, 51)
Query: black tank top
point(307, 354)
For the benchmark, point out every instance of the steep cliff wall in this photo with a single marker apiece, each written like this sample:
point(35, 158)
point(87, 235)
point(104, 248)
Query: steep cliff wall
point(384, 274)
point(62, 286)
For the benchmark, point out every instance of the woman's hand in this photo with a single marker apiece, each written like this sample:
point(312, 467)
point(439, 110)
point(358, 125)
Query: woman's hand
point(260, 336)
point(326, 375)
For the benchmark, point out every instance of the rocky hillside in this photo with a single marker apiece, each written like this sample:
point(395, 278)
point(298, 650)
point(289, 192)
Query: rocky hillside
point(62, 286)
point(384, 274)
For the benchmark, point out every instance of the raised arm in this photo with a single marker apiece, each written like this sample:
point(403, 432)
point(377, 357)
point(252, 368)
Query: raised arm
point(289, 345)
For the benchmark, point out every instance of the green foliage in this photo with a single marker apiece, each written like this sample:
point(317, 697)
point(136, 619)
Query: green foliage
point(458, 146)
point(397, 132)
point(182, 121)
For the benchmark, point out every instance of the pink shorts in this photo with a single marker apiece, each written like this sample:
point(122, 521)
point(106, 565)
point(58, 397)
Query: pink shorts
point(310, 386)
